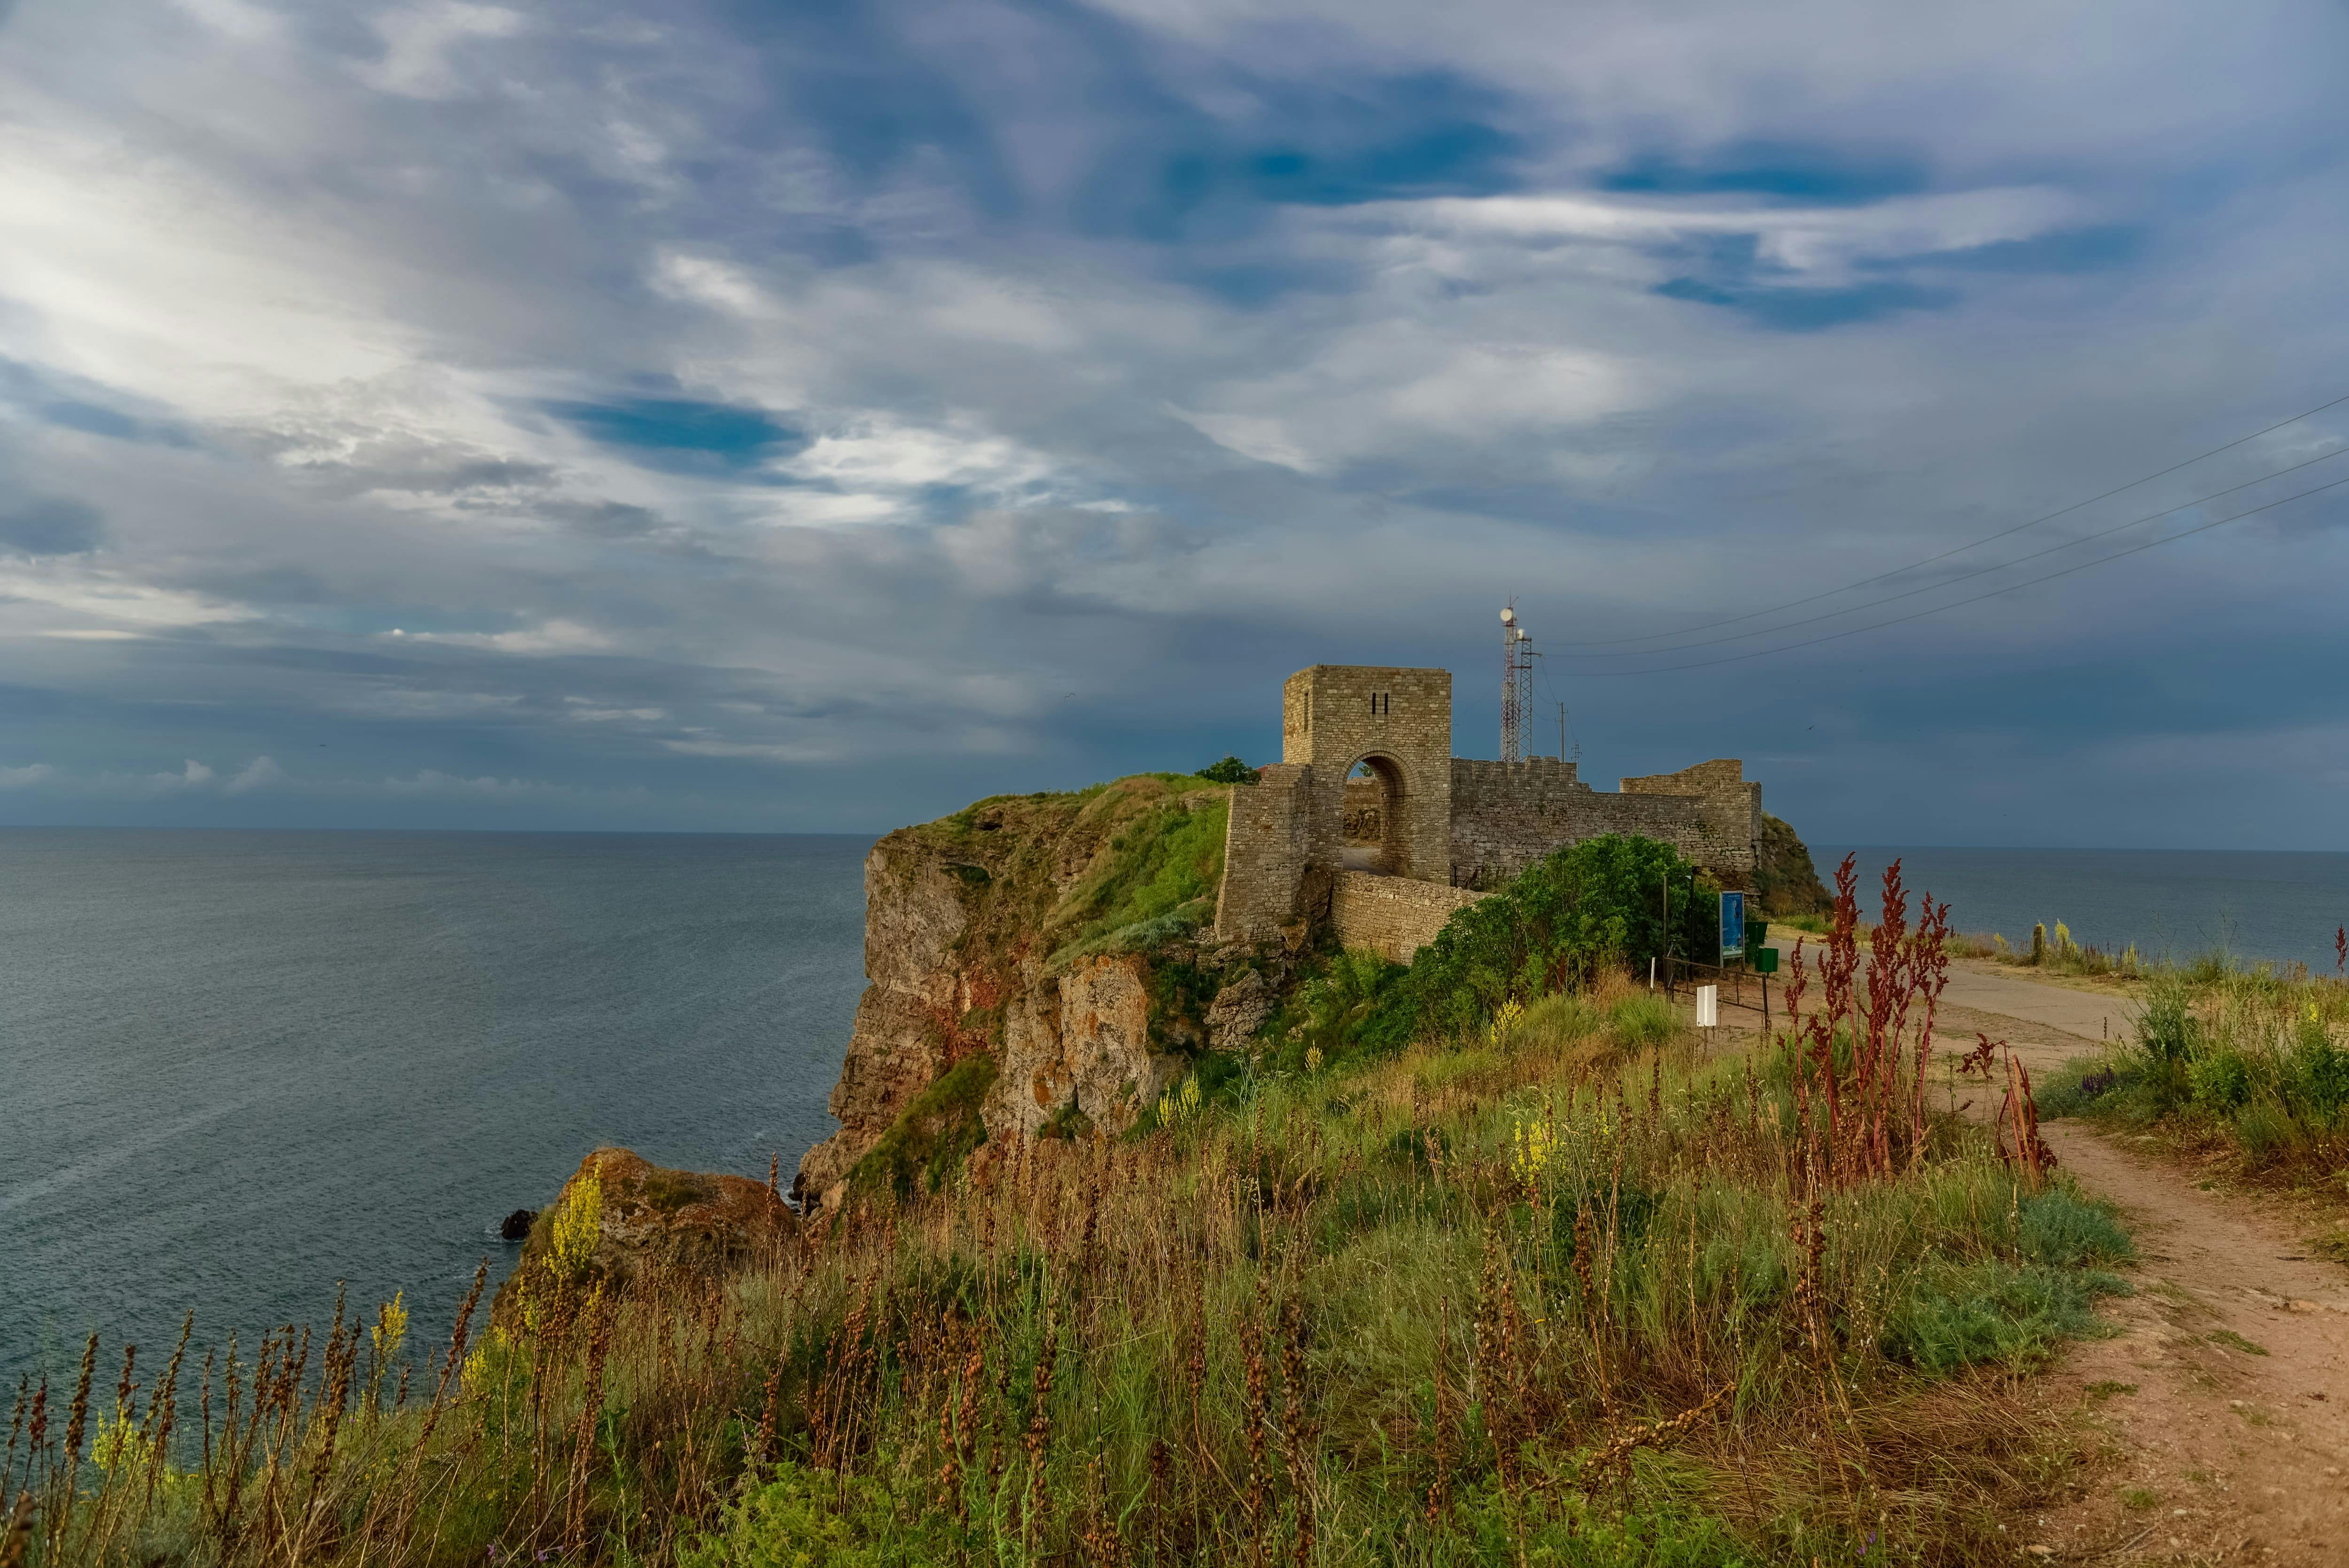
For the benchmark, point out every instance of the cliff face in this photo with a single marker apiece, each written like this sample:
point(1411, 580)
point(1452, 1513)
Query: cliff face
point(1029, 965)
point(1783, 873)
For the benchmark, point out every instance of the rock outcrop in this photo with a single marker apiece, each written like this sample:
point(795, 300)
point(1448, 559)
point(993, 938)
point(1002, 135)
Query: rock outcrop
point(1053, 934)
point(648, 1217)
point(1783, 873)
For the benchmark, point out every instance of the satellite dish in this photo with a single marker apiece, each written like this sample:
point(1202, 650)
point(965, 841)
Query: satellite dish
point(1508, 615)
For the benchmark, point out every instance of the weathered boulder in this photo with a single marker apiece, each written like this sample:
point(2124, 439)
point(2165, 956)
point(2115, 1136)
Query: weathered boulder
point(648, 1218)
point(1237, 1011)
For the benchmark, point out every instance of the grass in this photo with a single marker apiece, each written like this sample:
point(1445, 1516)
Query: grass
point(1550, 1289)
point(2244, 1061)
point(2235, 1341)
point(1571, 1295)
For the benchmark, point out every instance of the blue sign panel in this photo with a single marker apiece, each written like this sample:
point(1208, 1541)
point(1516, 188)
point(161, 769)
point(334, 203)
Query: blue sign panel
point(1733, 924)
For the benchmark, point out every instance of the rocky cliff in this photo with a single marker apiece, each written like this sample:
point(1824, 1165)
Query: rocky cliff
point(1032, 970)
point(1783, 873)
point(1041, 966)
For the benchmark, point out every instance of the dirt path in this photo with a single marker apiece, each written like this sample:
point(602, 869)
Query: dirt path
point(2225, 1396)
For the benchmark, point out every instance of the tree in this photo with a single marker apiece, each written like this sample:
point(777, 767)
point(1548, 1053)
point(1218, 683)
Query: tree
point(1230, 770)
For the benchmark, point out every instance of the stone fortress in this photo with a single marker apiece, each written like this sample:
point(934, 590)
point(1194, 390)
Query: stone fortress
point(1369, 824)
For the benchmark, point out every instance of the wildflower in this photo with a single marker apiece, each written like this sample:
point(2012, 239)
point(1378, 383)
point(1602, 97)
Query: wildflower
point(577, 1226)
point(1504, 1018)
point(1175, 1109)
point(390, 1328)
point(1313, 1056)
point(1533, 1147)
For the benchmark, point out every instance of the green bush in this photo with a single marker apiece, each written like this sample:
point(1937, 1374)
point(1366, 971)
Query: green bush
point(1588, 906)
point(2221, 1079)
point(1642, 1021)
point(814, 1519)
point(926, 1143)
point(2317, 1073)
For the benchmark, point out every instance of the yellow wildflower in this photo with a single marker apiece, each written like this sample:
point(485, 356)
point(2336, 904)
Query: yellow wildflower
point(576, 1227)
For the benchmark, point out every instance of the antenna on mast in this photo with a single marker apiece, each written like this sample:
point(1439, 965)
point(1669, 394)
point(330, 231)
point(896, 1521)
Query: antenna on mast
point(1516, 684)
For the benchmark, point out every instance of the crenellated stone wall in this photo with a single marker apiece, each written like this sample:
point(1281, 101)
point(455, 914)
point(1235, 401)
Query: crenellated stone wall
point(1507, 815)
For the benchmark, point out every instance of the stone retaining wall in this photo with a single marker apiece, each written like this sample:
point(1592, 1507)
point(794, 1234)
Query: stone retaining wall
point(1392, 916)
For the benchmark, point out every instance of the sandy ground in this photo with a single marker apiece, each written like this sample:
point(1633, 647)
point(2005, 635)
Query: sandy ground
point(2223, 1403)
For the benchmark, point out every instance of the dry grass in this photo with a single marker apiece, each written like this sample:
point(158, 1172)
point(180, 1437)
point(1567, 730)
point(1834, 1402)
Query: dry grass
point(1564, 1293)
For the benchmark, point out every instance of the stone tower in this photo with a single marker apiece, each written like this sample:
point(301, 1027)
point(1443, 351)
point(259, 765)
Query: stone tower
point(1395, 722)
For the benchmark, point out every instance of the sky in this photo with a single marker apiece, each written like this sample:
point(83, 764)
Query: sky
point(779, 418)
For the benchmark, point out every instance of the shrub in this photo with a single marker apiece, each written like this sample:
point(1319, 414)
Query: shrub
point(2166, 1027)
point(931, 1136)
point(811, 1519)
point(1589, 907)
point(1643, 1020)
point(2221, 1079)
point(1230, 770)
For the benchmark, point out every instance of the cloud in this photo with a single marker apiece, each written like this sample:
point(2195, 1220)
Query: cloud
point(704, 417)
point(420, 40)
point(258, 774)
point(52, 525)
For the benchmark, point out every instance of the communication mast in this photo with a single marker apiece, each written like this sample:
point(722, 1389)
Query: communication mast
point(1516, 684)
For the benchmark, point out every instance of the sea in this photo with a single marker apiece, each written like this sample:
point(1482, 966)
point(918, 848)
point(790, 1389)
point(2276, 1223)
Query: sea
point(240, 1071)
point(2282, 907)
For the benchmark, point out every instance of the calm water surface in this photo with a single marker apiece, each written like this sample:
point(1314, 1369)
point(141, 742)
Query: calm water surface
point(236, 1068)
point(2281, 906)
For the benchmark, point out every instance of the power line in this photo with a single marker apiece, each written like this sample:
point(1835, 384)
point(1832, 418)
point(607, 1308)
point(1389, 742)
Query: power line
point(1979, 571)
point(1960, 550)
point(1992, 593)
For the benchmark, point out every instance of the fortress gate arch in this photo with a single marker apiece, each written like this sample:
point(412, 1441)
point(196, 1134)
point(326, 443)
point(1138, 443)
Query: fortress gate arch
point(1372, 809)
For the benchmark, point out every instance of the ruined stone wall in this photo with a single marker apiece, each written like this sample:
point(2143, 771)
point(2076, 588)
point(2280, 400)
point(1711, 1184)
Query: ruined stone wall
point(1264, 853)
point(1507, 815)
point(1727, 817)
point(1392, 916)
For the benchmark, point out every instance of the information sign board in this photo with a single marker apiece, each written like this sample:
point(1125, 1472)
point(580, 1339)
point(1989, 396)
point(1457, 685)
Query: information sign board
point(1732, 925)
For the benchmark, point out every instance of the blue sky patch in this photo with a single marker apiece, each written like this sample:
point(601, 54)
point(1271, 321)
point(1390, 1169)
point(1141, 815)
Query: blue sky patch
point(674, 431)
point(2087, 249)
point(1810, 309)
point(1818, 176)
